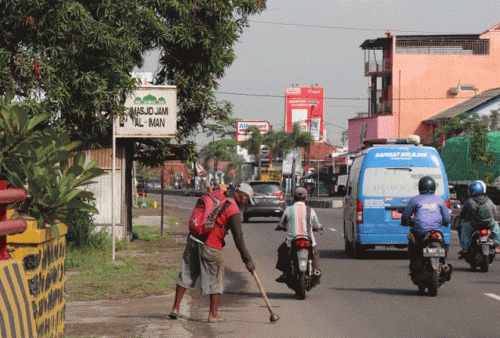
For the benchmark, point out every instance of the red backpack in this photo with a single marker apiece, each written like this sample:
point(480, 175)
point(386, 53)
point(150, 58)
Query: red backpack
point(208, 208)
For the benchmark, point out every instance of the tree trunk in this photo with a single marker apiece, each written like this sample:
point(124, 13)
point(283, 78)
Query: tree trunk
point(216, 164)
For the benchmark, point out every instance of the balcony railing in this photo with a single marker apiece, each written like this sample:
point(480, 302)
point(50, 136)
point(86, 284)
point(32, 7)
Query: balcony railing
point(382, 108)
point(442, 46)
point(372, 67)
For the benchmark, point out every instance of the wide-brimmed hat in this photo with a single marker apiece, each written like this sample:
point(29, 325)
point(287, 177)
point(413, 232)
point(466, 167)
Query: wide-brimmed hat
point(247, 189)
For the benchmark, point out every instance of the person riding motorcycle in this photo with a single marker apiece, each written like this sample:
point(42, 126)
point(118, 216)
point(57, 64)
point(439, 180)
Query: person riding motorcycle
point(298, 219)
point(430, 213)
point(477, 196)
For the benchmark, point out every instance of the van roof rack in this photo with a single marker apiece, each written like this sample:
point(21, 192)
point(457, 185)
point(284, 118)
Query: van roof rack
point(411, 139)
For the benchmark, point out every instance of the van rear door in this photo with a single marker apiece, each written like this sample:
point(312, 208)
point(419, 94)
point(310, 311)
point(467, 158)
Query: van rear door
point(388, 183)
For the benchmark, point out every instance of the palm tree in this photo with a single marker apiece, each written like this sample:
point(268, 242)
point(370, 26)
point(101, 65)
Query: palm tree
point(278, 143)
point(220, 150)
point(253, 145)
point(234, 166)
point(298, 139)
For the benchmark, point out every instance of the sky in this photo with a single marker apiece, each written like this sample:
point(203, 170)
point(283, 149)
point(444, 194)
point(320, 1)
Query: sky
point(316, 42)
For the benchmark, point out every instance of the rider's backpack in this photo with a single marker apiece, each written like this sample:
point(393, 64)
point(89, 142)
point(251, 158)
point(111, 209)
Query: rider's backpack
point(205, 213)
point(482, 217)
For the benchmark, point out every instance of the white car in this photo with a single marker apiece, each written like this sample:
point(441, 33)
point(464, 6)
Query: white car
point(340, 186)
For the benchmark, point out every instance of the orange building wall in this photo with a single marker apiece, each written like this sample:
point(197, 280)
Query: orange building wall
point(423, 83)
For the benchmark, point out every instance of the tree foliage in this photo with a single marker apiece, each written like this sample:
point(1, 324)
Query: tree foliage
point(45, 164)
point(298, 139)
point(473, 125)
point(220, 150)
point(198, 49)
point(478, 145)
point(465, 124)
point(74, 58)
point(254, 145)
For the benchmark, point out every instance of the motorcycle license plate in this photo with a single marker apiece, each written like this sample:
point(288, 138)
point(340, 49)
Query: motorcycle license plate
point(485, 241)
point(434, 252)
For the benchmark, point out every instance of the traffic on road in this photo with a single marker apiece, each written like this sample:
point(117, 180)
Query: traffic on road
point(371, 296)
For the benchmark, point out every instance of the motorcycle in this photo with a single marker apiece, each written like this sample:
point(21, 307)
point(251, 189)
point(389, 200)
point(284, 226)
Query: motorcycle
point(481, 251)
point(301, 277)
point(429, 269)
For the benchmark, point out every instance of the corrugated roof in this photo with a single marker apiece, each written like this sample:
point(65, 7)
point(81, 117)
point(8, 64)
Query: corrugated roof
point(467, 105)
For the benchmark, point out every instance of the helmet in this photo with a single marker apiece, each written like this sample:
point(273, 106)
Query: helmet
point(477, 188)
point(426, 185)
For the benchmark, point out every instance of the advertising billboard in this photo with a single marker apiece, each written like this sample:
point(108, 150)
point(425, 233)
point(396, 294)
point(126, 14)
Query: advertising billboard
point(242, 126)
point(305, 106)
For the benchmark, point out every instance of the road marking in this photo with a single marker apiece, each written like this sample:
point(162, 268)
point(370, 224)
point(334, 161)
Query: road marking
point(492, 295)
point(332, 229)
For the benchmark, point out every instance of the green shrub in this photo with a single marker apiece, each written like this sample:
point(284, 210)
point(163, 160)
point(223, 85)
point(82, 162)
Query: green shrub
point(45, 163)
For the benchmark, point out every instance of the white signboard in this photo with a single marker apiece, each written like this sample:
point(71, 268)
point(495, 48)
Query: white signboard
point(315, 128)
point(288, 161)
point(154, 111)
point(299, 115)
point(242, 126)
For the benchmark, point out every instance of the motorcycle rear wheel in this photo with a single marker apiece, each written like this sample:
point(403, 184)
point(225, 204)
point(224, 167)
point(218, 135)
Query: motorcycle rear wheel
point(301, 286)
point(484, 265)
point(433, 283)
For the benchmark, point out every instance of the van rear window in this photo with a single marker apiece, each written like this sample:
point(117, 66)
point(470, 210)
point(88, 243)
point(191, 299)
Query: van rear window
point(398, 182)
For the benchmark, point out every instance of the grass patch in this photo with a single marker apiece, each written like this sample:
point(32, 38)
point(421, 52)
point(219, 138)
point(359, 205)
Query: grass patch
point(147, 202)
point(143, 267)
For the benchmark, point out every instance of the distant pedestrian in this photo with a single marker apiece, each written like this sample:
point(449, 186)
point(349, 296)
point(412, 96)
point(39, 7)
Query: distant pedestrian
point(203, 253)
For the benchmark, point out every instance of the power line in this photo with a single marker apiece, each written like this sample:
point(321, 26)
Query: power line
point(356, 98)
point(283, 96)
point(339, 27)
point(332, 124)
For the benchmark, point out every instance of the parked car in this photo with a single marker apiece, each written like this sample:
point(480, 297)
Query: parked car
point(153, 185)
point(269, 200)
point(340, 186)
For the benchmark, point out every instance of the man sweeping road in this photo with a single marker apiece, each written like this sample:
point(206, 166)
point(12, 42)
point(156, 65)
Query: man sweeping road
point(213, 216)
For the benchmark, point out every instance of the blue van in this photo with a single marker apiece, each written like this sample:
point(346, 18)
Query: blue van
point(382, 180)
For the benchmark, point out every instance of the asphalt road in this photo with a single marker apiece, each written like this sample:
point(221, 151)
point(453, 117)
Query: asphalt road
point(369, 297)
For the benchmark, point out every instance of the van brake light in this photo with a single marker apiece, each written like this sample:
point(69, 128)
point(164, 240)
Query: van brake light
point(359, 211)
point(448, 203)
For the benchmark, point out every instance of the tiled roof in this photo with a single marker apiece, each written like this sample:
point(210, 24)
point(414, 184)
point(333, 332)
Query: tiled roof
point(320, 150)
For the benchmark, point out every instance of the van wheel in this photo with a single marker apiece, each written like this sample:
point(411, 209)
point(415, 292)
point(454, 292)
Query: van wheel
point(358, 250)
point(348, 247)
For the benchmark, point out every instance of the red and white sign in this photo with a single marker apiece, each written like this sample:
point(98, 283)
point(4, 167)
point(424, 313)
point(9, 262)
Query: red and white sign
point(242, 126)
point(305, 106)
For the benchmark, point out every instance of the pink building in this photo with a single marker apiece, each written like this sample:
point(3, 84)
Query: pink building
point(414, 77)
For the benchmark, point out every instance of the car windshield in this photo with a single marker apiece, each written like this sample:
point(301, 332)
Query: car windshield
point(400, 182)
point(265, 188)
